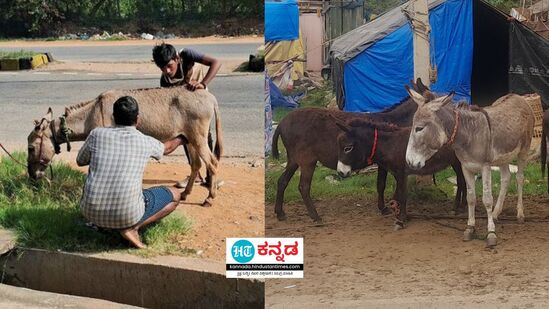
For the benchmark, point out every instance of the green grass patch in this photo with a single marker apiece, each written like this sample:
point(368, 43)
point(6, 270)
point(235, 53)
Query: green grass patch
point(47, 215)
point(17, 54)
point(364, 185)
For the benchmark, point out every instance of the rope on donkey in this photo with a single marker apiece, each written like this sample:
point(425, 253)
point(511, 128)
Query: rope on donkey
point(12, 157)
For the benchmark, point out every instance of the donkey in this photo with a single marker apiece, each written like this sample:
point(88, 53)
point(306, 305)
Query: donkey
point(481, 138)
point(164, 112)
point(544, 132)
point(310, 136)
point(363, 142)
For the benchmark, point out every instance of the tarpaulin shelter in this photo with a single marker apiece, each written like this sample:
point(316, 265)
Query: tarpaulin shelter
point(480, 53)
point(281, 20)
point(284, 50)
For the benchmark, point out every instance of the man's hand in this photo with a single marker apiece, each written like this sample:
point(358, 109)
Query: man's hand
point(193, 85)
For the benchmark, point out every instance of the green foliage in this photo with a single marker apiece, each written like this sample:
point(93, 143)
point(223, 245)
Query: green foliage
point(47, 215)
point(47, 18)
point(506, 5)
point(17, 54)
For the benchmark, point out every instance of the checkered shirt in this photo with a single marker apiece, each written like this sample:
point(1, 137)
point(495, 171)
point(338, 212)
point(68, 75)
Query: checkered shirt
point(113, 196)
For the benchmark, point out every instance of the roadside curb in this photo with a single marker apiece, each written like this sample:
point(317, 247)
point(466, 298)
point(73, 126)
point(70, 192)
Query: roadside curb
point(25, 63)
point(175, 281)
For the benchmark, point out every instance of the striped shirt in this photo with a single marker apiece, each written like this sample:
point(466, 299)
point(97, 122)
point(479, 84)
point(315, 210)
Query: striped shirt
point(113, 196)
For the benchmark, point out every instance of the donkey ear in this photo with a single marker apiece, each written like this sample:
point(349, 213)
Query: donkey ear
point(420, 86)
point(41, 126)
point(342, 125)
point(414, 85)
point(449, 98)
point(428, 95)
point(36, 122)
point(418, 98)
point(438, 103)
point(49, 115)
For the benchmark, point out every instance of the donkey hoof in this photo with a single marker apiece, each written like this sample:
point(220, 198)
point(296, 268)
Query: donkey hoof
point(183, 196)
point(520, 220)
point(281, 216)
point(207, 204)
point(385, 211)
point(469, 234)
point(398, 227)
point(317, 219)
point(491, 240)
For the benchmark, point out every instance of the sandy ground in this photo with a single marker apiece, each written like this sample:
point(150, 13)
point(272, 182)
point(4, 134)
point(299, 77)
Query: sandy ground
point(356, 260)
point(181, 41)
point(228, 65)
point(238, 208)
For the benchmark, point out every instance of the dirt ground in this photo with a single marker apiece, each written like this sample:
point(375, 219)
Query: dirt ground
point(356, 259)
point(237, 210)
point(228, 64)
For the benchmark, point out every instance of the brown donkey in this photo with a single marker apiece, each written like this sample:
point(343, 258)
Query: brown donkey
point(363, 142)
point(310, 136)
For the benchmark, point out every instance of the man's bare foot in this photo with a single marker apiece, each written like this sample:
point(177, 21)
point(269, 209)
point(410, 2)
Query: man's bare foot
point(132, 236)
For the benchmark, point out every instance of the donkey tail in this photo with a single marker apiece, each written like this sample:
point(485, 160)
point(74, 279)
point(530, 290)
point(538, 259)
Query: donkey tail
point(218, 149)
point(275, 142)
point(543, 150)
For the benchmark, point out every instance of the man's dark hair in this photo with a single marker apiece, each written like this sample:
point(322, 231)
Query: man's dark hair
point(163, 53)
point(125, 111)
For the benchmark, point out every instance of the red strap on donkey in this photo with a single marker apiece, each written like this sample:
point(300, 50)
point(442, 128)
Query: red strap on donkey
point(371, 157)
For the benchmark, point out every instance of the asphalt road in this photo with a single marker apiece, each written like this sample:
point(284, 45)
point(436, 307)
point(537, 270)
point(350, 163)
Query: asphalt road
point(139, 53)
point(25, 96)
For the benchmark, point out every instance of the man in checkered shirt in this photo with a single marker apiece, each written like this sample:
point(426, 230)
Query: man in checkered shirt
point(113, 195)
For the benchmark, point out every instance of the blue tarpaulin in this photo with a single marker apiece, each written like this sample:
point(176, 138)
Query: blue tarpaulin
point(280, 100)
point(281, 20)
point(375, 78)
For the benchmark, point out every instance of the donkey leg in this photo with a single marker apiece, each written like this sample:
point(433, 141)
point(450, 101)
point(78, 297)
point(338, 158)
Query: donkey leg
point(461, 197)
point(381, 183)
point(521, 163)
point(400, 195)
point(283, 182)
point(505, 176)
point(194, 159)
point(469, 176)
point(211, 165)
point(305, 190)
point(488, 201)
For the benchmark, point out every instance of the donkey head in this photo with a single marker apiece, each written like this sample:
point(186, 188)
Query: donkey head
point(428, 131)
point(40, 147)
point(352, 150)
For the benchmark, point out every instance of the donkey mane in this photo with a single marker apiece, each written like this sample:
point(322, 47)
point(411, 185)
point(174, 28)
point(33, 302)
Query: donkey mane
point(380, 125)
point(78, 106)
point(140, 91)
point(393, 107)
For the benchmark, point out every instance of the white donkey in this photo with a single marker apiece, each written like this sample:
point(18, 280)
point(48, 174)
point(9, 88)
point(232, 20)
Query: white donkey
point(481, 138)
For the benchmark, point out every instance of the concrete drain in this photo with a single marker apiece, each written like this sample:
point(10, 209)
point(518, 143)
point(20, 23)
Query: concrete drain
point(184, 283)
